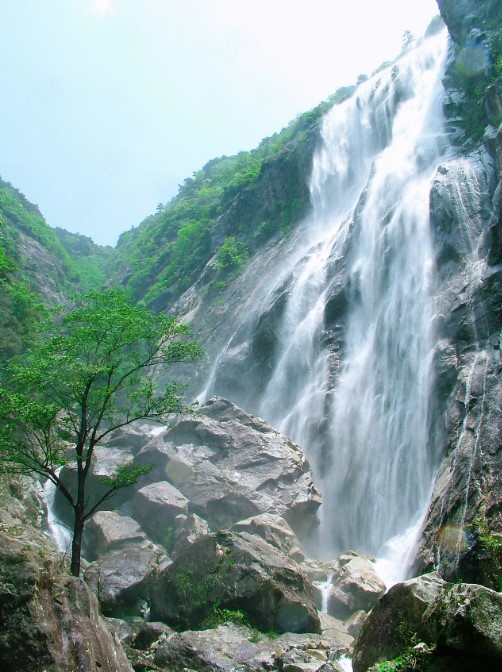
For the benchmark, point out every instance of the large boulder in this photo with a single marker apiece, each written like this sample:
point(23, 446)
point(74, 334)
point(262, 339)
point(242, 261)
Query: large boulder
point(355, 586)
point(157, 507)
point(108, 531)
point(345, 586)
point(236, 572)
point(460, 623)
point(231, 647)
point(271, 528)
point(231, 466)
point(121, 580)
point(190, 529)
point(134, 436)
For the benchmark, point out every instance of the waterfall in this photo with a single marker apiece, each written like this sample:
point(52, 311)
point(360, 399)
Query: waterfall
point(351, 380)
point(379, 474)
point(61, 535)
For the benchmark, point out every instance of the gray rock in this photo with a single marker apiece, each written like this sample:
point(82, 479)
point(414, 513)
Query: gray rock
point(48, 619)
point(336, 632)
point(271, 528)
point(108, 531)
point(461, 15)
point(348, 584)
point(461, 620)
point(156, 507)
point(235, 571)
point(123, 629)
point(355, 586)
point(121, 580)
point(149, 633)
point(232, 466)
point(134, 436)
point(189, 531)
point(104, 464)
point(232, 648)
point(355, 622)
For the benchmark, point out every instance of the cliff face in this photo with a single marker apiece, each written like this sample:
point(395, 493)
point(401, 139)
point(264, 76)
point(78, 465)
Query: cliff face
point(466, 205)
point(461, 16)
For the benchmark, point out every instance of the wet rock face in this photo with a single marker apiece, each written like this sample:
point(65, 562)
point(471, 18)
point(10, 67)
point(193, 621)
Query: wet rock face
point(466, 222)
point(459, 624)
point(461, 15)
point(464, 216)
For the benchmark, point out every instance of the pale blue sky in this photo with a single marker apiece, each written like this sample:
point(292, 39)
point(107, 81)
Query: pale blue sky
point(107, 105)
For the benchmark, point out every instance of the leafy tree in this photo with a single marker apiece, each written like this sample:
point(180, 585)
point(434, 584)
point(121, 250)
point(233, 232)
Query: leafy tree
point(91, 375)
point(232, 255)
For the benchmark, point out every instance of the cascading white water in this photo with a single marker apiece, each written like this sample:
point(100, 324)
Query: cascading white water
point(351, 379)
point(60, 533)
point(380, 472)
point(370, 190)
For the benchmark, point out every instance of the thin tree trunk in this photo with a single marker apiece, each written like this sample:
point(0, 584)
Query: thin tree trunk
point(76, 544)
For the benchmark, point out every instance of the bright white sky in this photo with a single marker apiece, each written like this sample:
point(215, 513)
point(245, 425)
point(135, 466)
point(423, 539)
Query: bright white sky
point(107, 105)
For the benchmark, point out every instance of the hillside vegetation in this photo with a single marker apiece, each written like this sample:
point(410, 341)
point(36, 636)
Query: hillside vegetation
point(38, 265)
point(166, 253)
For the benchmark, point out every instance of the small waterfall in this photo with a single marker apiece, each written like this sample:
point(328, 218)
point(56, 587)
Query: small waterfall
point(325, 590)
point(60, 533)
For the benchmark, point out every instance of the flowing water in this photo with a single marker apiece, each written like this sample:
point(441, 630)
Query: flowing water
point(352, 381)
point(60, 532)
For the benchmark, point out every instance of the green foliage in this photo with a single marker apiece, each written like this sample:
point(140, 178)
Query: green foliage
point(489, 548)
point(20, 307)
point(168, 251)
point(230, 260)
point(474, 118)
point(7, 265)
point(195, 597)
point(125, 476)
point(83, 263)
point(91, 374)
point(412, 657)
point(89, 261)
point(218, 616)
point(22, 228)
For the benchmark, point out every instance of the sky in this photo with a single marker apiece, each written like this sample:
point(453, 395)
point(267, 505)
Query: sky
point(106, 106)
